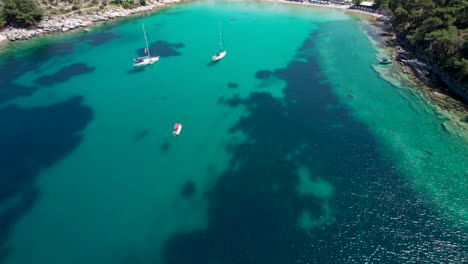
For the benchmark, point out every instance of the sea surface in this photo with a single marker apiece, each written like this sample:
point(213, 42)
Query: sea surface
point(293, 148)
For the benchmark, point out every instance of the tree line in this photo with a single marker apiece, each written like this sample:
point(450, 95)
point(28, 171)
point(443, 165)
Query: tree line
point(436, 29)
point(19, 13)
point(27, 13)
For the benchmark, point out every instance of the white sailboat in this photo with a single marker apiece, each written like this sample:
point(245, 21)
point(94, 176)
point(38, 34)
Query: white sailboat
point(146, 60)
point(222, 52)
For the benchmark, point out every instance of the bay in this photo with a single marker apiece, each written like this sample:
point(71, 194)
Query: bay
point(293, 148)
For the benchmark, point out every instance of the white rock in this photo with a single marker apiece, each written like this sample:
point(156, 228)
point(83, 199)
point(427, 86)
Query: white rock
point(3, 38)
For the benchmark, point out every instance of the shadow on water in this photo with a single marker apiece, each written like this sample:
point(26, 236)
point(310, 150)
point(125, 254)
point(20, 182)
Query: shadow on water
point(163, 49)
point(32, 139)
point(212, 63)
point(165, 147)
point(256, 212)
point(137, 70)
point(64, 74)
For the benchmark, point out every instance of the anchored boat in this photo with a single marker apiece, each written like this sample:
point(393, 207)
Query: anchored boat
point(222, 52)
point(146, 60)
point(177, 128)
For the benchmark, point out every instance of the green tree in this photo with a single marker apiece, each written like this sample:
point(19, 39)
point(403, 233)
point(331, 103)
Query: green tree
point(381, 4)
point(437, 29)
point(21, 13)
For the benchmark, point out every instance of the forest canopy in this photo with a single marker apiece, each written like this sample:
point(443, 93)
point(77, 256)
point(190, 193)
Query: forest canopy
point(20, 13)
point(435, 28)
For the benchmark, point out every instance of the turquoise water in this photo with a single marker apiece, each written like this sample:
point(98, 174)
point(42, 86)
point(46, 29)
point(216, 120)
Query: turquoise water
point(292, 149)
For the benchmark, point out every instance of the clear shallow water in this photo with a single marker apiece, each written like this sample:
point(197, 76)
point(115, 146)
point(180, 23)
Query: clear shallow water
point(293, 150)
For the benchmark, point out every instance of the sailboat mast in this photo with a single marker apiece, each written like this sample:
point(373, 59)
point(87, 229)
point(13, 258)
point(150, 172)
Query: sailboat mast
point(220, 37)
point(146, 41)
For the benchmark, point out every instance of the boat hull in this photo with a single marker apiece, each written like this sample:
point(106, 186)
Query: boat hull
point(177, 129)
point(146, 61)
point(219, 55)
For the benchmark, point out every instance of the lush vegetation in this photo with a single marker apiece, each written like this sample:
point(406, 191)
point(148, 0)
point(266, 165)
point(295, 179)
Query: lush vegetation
point(26, 13)
point(438, 29)
point(20, 13)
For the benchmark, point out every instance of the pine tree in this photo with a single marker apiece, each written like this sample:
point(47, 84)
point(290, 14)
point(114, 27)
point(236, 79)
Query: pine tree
point(21, 13)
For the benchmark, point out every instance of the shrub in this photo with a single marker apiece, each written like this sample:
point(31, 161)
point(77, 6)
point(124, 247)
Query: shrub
point(75, 7)
point(21, 13)
point(142, 2)
point(127, 5)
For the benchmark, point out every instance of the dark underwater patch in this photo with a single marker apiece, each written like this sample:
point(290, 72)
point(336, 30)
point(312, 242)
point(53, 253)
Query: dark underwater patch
point(17, 66)
point(165, 147)
point(64, 74)
point(10, 215)
point(263, 74)
point(32, 139)
point(188, 189)
point(163, 49)
point(99, 38)
point(254, 209)
point(140, 135)
point(232, 85)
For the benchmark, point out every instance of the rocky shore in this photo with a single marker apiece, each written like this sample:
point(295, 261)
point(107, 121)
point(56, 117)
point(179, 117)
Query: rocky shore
point(65, 22)
point(421, 77)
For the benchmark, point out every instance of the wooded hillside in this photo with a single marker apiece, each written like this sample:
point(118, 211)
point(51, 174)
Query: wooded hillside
point(436, 29)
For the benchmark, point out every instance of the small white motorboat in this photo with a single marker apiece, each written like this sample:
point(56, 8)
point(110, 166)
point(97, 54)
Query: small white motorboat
point(177, 128)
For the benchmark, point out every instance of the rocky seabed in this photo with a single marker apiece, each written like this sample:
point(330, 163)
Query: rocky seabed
point(66, 22)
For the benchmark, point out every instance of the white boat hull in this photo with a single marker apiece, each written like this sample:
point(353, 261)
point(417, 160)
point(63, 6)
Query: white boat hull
point(219, 55)
point(146, 61)
point(177, 131)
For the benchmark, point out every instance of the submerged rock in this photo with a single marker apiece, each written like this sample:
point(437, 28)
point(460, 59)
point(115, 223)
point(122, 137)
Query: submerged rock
point(188, 189)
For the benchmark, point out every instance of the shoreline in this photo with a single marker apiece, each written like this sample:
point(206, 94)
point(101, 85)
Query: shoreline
point(58, 23)
point(345, 7)
point(407, 68)
point(408, 72)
